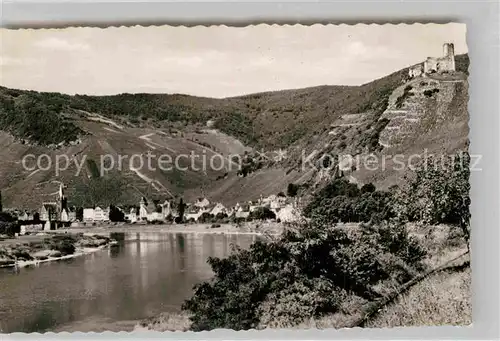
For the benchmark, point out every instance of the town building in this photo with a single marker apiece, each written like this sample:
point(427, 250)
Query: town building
point(167, 210)
point(132, 215)
point(146, 210)
point(54, 214)
point(202, 203)
point(193, 212)
point(241, 211)
point(88, 214)
point(218, 208)
point(288, 214)
point(100, 214)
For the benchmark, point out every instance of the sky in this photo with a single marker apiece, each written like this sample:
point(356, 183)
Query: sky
point(214, 61)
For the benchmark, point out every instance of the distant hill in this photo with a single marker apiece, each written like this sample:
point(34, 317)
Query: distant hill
point(333, 119)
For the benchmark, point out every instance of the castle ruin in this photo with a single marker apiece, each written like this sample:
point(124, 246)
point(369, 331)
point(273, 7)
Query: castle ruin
point(436, 64)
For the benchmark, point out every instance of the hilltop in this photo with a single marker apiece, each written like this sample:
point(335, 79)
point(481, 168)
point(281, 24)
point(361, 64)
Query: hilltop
point(328, 119)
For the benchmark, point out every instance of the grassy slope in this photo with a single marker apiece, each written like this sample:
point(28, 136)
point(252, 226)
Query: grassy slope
point(269, 120)
point(442, 299)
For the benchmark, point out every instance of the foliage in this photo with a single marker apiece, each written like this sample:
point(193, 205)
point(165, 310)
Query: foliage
point(37, 117)
point(181, 210)
point(302, 298)
point(261, 213)
point(115, 214)
point(205, 217)
point(46, 117)
point(368, 188)
point(462, 63)
point(8, 224)
point(341, 201)
point(369, 139)
point(270, 120)
point(220, 216)
point(430, 93)
point(63, 243)
point(306, 272)
point(406, 94)
point(102, 191)
point(7, 217)
point(438, 192)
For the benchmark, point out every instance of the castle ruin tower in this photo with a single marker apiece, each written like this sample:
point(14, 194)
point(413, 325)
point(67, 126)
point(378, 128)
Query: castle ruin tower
point(449, 56)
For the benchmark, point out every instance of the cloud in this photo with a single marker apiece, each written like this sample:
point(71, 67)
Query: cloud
point(214, 61)
point(10, 61)
point(191, 61)
point(61, 44)
point(356, 48)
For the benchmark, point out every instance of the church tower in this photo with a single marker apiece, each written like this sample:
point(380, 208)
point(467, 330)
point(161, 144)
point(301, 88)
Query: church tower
point(63, 201)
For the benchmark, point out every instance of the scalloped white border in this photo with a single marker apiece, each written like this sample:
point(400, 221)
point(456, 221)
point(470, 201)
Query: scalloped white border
point(482, 19)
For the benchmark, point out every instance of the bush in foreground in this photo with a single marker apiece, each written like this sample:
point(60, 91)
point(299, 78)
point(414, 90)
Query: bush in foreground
point(306, 273)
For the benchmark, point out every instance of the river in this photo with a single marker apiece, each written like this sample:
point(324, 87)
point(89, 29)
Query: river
point(145, 274)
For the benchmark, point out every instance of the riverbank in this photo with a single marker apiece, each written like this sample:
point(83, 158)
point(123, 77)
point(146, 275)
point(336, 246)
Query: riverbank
point(32, 250)
point(165, 322)
point(248, 228)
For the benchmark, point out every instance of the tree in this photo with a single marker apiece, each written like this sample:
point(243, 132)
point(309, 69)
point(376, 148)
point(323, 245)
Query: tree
point(262, 213)
point(368, 188)
point(438, 192)
point(220, 216)
point(292, 190)
point(79, 213)
point(341, 201)
point(115, 214)
point(205, 217)
point(182, 208)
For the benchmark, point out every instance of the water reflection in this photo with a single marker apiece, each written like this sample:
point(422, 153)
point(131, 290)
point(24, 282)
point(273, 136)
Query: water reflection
point(118, 236)
point(143, 275)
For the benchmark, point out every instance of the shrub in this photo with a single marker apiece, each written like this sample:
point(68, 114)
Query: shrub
point(303, 299)
point(368, 188)
point(8, 224)
point(438, 192)
point(115, 214)
point(306, 272)
point(63, 243)
point(205, 217)
point(406, 94)
point(430, 93)
point(262, 213)
point(220, 216)
point(342, 201)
